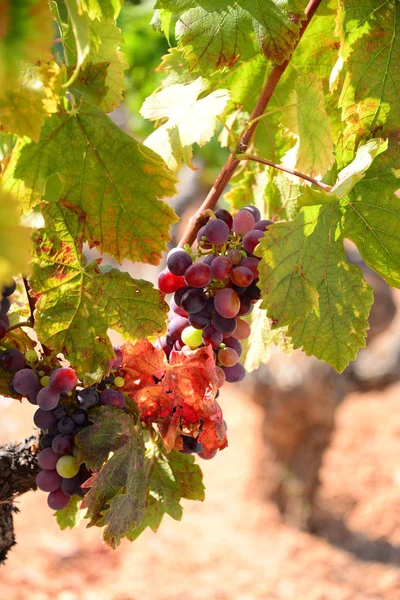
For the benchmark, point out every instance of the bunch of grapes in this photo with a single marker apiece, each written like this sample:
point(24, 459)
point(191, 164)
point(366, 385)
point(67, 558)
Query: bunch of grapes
point(213, 289)
point(63, 411)
point(5, 305)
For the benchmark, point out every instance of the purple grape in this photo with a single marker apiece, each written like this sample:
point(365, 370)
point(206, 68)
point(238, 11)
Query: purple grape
point(263, 225)
point(3, 329)
point(5, 305)
point(217, 232)
point(177, 309)
point(112, 397)
point(180, 293)
point(232, 342)
point(48, 481)
point(221, 267)
point(254, 211)
point(12, 360)
point(200, 234)
point(204, 457)
point(224, 325)
point(26, 382)
point(234, 256)
point(72, 485)
point(209, 307)
point(176, 326)
point(191, 445)
point(6, 320)
point(9, 289)
point(200, 319)
point(63, 444)
point(235, 373)
point(57, 500)
point(87, 397)
point(212, 336)
point(47, 459)
point(65, 425)
point(227, 303)
point(117, 360)
point(225, 216)
point(32, 398)
point(45, 441)
point(251, 262)
point(209, 259)
point(79, 417)
point(44, 419)
point(246, 306)
point(47, 399)
point(60, 412)
point(253, 292)
point(198, 275)
point(178, 261)
point(193, 300)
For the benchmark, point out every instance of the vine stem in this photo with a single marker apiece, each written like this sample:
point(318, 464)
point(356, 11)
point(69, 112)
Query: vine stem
point(269, 163)
point(222, 180)
point(30, 300)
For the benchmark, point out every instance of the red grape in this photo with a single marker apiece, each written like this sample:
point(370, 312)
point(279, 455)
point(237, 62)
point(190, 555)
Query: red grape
point(224, 325)
point(63, 380)
point(26, 382)
point(217, 232)
point(242, 331)
point(193, 300)
point(198, 275)
point(178, 261)
point(221, 267)
point(234, 255)
point(44, 419)
point(212, 336)
point(246, 306)
point(63, 444)
point(176, 326)
point(243, 222)
point(47, 459)
point(168, 283)
point(254, 211)
point(228, 357)
point(251, 262)
point(251, 240)
point(113, 397)
point(12, 360)
point(232, 342)
point(221, 377)
point(177, 309)
point(227, 303)
point(241, 276)
point(200, 319)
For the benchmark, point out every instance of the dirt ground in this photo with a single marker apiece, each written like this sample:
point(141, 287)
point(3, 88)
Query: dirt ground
point(233, 546)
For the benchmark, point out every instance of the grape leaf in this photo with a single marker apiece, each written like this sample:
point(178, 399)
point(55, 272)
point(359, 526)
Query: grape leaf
point(369, 101)
point(258, 346)
point(77, 303)
point(178, 395)
point(171, 477)
point(217, 33)
point(117, 496)
point(189, 119)
point(308, 122)
point(15, 244)
point(305, 282)
point(26, 33)
point(102, 9)
point(101, 79)
point(80, 27)
point(71, 515)
point(106, 174)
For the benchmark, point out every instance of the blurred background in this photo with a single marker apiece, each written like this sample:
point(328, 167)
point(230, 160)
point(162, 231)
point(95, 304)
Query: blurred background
point(305, 502)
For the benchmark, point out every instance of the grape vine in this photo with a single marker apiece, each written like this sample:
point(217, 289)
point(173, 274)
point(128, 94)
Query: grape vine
point(304, 99)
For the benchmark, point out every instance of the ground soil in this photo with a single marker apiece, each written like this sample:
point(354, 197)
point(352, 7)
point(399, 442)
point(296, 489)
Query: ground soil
point(234, 546)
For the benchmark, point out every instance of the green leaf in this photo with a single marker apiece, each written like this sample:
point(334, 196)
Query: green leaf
point(190, 120)
point(309, 123)
point(15, 243)
point(71, 515)
point(101, 80)
point(258, 346)
point(107, 176)
point(171, 477)
point(369, 101)
point(102, 9)
point(217, 33)
point(26, 33)
point(80, 27)
point(307, 285)
point(77, 303)
point(117, 496)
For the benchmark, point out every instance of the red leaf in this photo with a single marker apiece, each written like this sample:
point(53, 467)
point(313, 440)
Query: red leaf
point(179, 395)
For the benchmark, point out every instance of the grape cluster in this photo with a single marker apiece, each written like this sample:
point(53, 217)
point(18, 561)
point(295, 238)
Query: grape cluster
point(5, 305)
point(214, 288)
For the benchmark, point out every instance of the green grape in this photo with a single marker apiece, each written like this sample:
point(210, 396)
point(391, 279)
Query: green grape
point(31, 356)
point(192, 337)
point(45, 380)
point(119, 382)
point(41, 373)
point(67, 466)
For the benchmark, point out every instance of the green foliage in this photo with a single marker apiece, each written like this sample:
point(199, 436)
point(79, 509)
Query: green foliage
point(14, 239)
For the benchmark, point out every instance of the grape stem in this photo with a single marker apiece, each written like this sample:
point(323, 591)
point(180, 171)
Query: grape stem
point(198, 219)
point(27, 323)
point(30, 300)
point(269, 163)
